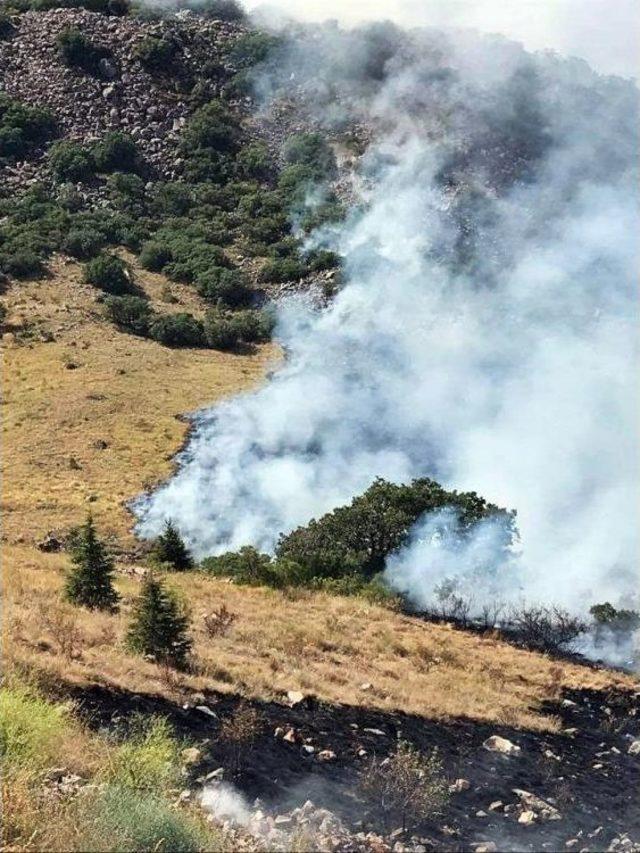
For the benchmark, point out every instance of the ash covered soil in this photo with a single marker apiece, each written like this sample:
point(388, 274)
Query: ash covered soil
point(509, 788)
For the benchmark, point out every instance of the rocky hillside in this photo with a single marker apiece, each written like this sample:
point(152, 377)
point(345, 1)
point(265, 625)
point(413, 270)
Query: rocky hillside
point(120, 94)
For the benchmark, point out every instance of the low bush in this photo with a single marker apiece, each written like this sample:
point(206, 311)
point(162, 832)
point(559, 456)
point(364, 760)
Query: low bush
point(22, 128)
point(71, 161)
point(219, 331)
point(225, 287)
point(22, 263)
point(252, 48)
point(254, 327)
point(154, 255)
point(7, 28)
point(311, 150)
point(133, 821)
point(130, 314)
point(149, 757)
point(254, 161)
point(618, 620)
point(110, 273)
point(178, 330)
point(77, 51)
point(82, 243)
point(407, 788)
point(116, 152)
point(545, 628)
point(155, 53)
point(277, 270)
point(30, 727)
point(212, 127)
point(171, 199)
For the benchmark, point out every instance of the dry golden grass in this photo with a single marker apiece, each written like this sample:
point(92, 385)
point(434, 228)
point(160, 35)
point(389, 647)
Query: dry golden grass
point(127, 392)
point(124, 391)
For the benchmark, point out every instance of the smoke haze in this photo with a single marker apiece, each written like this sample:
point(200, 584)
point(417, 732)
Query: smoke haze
point(486, 335)
point(604, 33)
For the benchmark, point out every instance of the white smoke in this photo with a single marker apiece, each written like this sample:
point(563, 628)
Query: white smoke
point(225, 802)
point(514, 375)
point(604, 32)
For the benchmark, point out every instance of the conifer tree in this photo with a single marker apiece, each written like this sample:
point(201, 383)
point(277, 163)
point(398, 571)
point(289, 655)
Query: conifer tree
point(159, 627)
point(170, 548)
point(90, 581)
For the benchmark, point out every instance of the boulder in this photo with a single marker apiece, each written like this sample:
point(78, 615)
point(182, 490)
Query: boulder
point(634, 748)
point(495, 743)
point(295, 697)
point(527, 818)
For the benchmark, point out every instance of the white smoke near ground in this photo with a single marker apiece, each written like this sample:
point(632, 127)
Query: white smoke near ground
point(513, 373)
point(224, 801)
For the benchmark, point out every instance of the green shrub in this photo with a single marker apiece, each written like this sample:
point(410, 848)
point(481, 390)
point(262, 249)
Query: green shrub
point(159, 625)
point(246, 566)
point(110, 273)
point(130, 821)
point(219, 330)
point(7, 28)
point(154, 256)
point(282, 269)
point(116, 152)
point(22, 263)
point(77, 51)
point(148, 760)
point(71, 161)
point(155, 53)
point(322, 259)
point(221, 286)
point(178, 330)
point(127, 192)
point(83, 243)
point(171, 199)
point(22, 128)
point(254, 161)
point(30, 727)
point(359, 537)
point(212, 127)
point(312, 151)
point(221, 10)
point(130, 314)
point(253, 327)
point(252, 48)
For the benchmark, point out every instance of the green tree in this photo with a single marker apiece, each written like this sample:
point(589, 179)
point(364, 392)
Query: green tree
point(159, 627)
point(90, 581)
point(170, 548)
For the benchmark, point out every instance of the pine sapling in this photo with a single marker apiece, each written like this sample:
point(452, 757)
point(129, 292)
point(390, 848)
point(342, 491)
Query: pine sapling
point(90, 581)
point(170, 548)
point(159, 627)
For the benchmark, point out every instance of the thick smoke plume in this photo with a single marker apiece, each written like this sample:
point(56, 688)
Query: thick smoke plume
point(486, 335)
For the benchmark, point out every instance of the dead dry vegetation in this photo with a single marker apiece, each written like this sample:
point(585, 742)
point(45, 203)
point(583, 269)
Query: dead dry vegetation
point(109, 402)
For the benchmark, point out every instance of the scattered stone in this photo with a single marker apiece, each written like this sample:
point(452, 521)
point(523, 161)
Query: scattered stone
point(459, 785)
point(204, 709)
point(634, 748)
point(215, 774)
point(527, 818)
point(308, 749)
point(290, 736)
point(295, 697)
point(377, 732)
point(486, 847)
point(326, 755)
point(541, 808)
point(191, 755)
point(496, 806)
point(495, 743)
